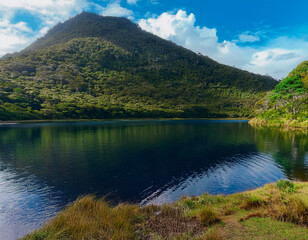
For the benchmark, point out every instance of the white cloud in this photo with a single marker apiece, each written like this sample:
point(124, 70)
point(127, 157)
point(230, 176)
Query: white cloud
point(49, 11)
point(9, 42)
point(43, 31)
point(180, 28)
point(20, 26)
point(44, 7)
point(277, 58)
point(272, 55)
point(116, 10)
point(12, 36)
point(244, 37)
point(132, 1)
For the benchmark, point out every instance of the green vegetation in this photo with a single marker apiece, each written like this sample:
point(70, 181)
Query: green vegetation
point(269, 212)
point(286, 186)
point(94, 67)
point(287, 105)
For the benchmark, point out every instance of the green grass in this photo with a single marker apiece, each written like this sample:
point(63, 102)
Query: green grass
point(287, 186)
point(275, 211)
point(266, 228)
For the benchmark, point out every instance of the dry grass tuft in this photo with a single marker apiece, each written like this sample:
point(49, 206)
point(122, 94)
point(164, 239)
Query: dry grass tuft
point(208, 216)
point(257, 122)
point(295, 210)
point(213, 234)
point(252, 202)
point(89, 218)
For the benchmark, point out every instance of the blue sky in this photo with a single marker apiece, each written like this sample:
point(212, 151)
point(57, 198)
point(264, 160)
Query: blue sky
point(266, 37)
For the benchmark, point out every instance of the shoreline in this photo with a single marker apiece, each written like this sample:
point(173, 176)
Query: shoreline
point(115, 120)
point(274, 211)
point(288, 125)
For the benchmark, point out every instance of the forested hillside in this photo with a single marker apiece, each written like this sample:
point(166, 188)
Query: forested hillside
point(287, 105)
point(106, 67)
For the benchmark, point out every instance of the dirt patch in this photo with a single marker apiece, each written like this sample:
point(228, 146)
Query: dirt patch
point(168, 222)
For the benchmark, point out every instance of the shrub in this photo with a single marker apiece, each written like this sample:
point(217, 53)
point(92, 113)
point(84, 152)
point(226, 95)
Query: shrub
point(286, 186)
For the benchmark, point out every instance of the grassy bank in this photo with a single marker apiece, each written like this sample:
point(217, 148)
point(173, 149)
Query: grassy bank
point(280, 122)
point(287, 105)
point(275, 211)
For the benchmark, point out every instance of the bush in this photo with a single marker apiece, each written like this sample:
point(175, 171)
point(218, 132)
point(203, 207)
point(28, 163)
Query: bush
point(286, 186)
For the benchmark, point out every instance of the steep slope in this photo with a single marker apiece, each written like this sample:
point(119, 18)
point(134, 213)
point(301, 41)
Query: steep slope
point(287, 105)
point(106, 67)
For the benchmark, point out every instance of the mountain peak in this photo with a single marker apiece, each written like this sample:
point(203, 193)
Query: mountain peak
point(83, 25)
point(86, 14)
point(89, 17)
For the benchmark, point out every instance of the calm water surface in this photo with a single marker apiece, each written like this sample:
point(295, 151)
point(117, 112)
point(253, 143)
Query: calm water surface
point(45, 166)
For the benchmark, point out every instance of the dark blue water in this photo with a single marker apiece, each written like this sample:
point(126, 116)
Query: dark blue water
point(45, 166)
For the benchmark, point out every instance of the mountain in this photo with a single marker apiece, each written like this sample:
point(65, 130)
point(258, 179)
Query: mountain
point(287, 105)
point(107, 67)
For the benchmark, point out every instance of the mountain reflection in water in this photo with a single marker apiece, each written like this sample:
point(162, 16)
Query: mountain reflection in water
point(44, 166)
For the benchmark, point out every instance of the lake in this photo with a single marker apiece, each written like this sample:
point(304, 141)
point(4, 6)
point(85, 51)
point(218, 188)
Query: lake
point(45, 166)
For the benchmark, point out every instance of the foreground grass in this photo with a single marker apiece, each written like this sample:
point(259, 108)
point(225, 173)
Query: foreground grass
point(275, 211)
